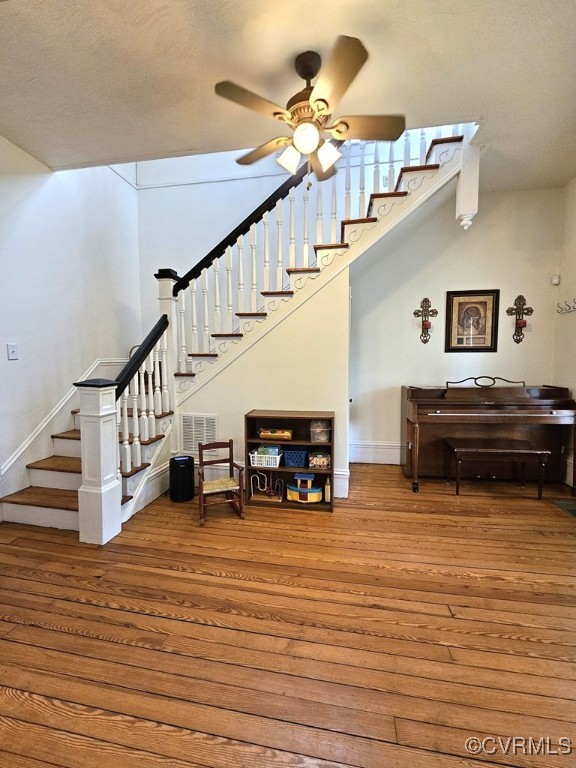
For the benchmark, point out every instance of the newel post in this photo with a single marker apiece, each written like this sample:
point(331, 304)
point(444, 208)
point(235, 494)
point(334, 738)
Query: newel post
point(100, 495)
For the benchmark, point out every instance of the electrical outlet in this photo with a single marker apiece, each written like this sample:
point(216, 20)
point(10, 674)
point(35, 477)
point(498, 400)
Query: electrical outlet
point(12, 351)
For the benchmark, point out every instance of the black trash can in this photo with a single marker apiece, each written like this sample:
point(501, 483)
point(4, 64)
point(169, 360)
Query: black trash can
point(181, 478)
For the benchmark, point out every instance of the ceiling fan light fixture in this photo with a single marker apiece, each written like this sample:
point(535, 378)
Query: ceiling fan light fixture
point(289, 159)
point(328, 155)
point(306, 137)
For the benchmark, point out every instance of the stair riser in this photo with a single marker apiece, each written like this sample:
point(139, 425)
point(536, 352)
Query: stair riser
point(64, 447)
point(45, 478)
point(42, 516)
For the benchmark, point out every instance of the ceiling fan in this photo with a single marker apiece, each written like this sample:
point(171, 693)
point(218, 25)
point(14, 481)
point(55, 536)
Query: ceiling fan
point(309, 113)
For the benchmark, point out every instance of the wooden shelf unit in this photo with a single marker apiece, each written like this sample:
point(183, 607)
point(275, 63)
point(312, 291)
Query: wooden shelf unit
point(299, 422)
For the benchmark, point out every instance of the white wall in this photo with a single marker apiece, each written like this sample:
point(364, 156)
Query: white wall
point(514, 244)
point(565, 347)
point(300, 365)
point(187, 206)
point(69, 283)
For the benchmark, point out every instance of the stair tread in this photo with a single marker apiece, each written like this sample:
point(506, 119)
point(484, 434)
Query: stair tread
point(58, 464)
point(360, 220)
point(71, 434)
point(50, 498)
point(446, 140)
point(320, 246)
point(302, 270)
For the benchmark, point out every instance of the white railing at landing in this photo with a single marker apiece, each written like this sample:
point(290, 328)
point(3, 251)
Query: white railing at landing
point(284, 239)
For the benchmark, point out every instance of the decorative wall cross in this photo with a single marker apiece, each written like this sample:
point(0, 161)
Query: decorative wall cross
point(519, 310)
point(425, 312)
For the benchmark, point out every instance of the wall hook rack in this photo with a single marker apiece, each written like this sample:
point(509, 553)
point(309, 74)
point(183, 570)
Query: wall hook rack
point(425, 312)
point(566, 307)
point(519, 310)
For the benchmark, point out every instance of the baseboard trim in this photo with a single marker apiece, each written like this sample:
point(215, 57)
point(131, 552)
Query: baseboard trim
point(375, 452)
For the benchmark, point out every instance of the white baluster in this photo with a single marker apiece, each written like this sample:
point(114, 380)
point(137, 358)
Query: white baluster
point(182, 354)
point(319, 214)
point(292, 249)
point(334, 214)
point(423, 147)
point(305, 233)
point(194, 317)
point(158, 409)
point(348, 184)
point(266, 275)
point(362, 196)
point(163, 374)
point(254, 280)
point(205, 313)
point(143, 410)
point(279, 257)
point(125, 451)
point(150, 393)
point(376, 181)
point(217, 310)
point(391, 173)
point(136, 448)
point(229, 298)
point(406, 148)
point(240, 246)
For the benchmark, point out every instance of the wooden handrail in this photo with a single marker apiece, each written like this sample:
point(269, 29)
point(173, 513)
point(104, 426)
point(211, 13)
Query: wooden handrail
point(133, 365)
point(241, 229)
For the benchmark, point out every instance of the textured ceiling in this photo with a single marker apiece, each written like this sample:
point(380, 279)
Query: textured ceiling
point(90, 82)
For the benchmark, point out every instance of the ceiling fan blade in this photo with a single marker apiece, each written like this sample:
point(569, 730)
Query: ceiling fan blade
point(245, 98)
point(345, 60)
point(375, 127)
point(317, 168)
point(263, 150)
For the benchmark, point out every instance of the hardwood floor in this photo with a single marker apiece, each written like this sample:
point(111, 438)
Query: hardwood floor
point(384, 635)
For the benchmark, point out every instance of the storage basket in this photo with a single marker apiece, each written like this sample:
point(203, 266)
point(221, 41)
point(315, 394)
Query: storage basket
point(262, 460)
point(295, 458)
point(320, 434)
point(319, 460)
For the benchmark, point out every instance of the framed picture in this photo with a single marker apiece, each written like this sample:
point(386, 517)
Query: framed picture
point(472, 321)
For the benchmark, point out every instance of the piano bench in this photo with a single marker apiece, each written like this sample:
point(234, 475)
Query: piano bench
point(482, 449)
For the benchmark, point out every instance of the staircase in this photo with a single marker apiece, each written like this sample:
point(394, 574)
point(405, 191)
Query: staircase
point(204, 338)
point(51, 500)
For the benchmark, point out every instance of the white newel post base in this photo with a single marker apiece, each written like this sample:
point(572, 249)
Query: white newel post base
point(100, 495)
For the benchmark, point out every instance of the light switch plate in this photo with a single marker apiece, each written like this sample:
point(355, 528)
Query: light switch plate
point(12, 351)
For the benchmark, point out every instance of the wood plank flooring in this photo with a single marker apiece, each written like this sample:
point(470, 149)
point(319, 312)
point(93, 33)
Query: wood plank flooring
point(386, 634)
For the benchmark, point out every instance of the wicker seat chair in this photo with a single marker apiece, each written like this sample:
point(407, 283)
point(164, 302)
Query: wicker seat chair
point(223, 490)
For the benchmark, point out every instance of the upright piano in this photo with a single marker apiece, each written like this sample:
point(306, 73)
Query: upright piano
point(486, 406)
